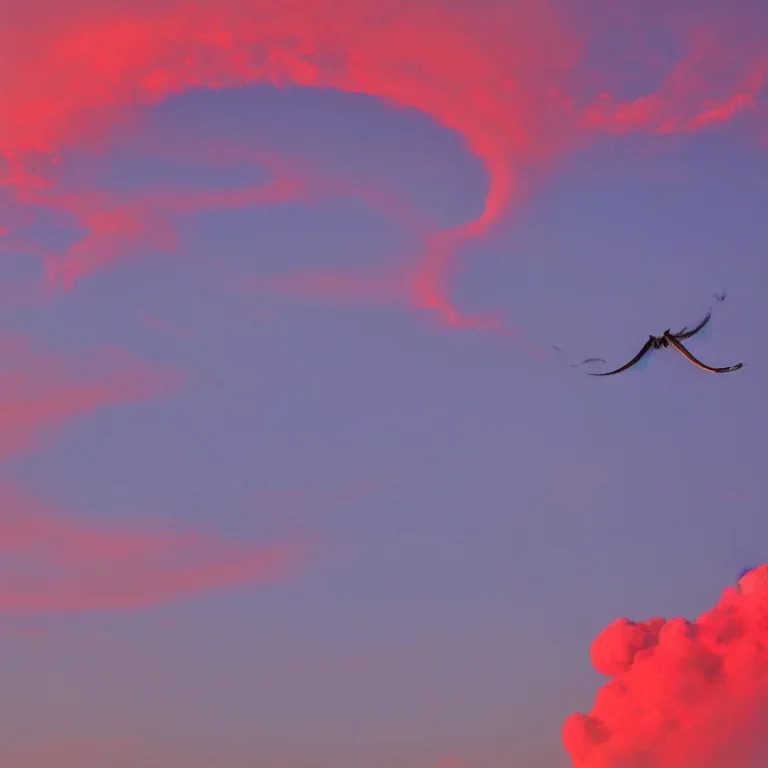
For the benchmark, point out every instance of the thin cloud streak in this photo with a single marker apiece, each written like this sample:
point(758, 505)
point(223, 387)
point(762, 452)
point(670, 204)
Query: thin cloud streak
point(41, 390)
point(54, 563)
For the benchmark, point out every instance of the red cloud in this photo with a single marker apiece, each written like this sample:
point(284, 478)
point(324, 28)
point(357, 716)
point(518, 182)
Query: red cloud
point(115, 228)
point(683, 694)
point(52, 563)
point(39, 391)
point(710, 84)
point(510, 78)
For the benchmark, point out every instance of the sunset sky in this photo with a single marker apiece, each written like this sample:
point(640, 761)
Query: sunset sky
point(291, 474)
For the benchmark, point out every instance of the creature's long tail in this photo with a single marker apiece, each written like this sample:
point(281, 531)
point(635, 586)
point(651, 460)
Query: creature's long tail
point(586, 361)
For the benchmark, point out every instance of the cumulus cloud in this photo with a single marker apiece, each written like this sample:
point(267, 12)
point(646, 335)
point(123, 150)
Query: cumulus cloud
point(682, 694)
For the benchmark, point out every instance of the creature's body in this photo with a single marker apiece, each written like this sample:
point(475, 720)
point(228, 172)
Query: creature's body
point(674, 339)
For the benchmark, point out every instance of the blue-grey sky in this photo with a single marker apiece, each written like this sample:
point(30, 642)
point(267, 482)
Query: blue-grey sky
point(272, 495)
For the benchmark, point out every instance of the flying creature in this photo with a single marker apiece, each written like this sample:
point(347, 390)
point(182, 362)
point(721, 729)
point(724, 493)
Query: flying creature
point(675, 340)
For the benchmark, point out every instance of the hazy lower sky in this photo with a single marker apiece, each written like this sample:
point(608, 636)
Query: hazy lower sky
point(291, 475)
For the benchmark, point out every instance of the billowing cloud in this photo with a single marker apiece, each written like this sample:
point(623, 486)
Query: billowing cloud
point(53, 563)
point(41, 390)
point(683, 694)
point(520, 82)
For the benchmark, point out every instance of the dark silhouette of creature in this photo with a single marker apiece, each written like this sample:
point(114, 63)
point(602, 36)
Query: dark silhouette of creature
point(675, 340)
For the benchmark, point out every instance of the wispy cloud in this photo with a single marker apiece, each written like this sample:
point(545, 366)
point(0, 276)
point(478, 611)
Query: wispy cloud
point(52, 562)
point(41, 390)
point(512, 81)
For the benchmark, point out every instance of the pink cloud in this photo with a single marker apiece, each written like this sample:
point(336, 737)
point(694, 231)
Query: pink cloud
point(119, 228)
point(40, 390)
point(508, 79)
point(722, 71)
point(314, 182)
point(682, 694)
point(115, 226)
point(53, 563)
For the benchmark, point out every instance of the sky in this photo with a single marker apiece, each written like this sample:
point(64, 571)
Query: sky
point(297, 466)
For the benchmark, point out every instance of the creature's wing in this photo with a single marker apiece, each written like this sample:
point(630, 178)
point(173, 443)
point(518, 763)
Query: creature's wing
point(684, 334)
point(635, 359)
point(685, 353)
